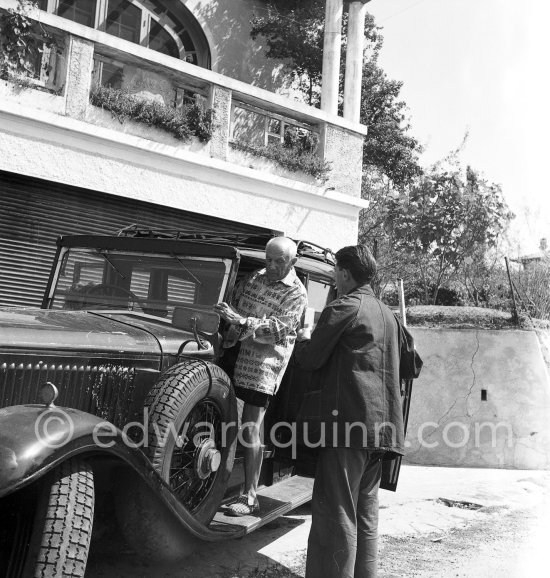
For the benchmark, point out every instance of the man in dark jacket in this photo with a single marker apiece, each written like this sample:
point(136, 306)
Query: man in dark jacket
point(354, 353)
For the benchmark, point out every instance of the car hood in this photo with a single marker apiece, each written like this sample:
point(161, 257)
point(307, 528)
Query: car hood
point(169, 338)
point(72, 330)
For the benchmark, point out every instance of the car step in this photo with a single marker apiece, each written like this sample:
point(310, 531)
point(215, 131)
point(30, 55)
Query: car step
point(275, 501)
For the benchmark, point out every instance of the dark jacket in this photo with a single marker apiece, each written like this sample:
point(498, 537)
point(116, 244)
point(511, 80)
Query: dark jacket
point(354, 353)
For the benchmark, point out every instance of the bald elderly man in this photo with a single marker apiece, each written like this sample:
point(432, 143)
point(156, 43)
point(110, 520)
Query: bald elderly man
point(264, 316)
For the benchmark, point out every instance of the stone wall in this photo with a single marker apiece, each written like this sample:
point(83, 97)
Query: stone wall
point(482, 400)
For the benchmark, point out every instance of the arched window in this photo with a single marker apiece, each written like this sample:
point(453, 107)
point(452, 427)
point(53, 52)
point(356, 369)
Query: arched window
point(173, 31)
point(124, 20)
point(161, 41)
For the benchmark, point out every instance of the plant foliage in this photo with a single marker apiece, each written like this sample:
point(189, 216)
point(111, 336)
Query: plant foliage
point(389, 147)
point(533, 286)
point(22, 42)
point(191, 120)
point(447, 220)
point(437, 229)
point(297, 153)
point(294, 31)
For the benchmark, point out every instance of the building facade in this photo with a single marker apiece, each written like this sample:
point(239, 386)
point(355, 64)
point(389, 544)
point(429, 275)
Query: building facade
point(69, 166)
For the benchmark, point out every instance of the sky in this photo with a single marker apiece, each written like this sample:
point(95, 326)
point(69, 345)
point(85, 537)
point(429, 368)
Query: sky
point(479, 66)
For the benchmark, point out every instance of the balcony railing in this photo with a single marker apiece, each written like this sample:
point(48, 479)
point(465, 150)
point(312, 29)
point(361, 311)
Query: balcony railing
point(243, 114)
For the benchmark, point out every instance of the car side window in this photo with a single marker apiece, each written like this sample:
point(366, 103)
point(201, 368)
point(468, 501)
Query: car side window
point(319, 294)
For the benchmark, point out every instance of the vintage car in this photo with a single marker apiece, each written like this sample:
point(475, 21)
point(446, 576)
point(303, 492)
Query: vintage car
point(112, 399)
point(115, 411)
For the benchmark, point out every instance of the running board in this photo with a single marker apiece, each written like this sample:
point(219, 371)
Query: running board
point(275, 501)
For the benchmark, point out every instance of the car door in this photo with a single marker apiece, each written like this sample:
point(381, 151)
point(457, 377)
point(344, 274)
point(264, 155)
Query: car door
point(297, 382)
point(283, 412)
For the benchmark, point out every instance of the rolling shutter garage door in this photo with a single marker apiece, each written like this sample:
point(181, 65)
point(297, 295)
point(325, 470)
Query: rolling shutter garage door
point(33, 213)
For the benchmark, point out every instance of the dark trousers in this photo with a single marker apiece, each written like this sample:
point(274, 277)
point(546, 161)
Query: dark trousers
point(343, 541)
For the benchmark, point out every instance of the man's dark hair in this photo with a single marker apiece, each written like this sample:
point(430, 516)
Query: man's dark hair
point(358, 260)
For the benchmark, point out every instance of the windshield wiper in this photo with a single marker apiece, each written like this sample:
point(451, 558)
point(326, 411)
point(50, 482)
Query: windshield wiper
point(198, 281)
point(110, 263)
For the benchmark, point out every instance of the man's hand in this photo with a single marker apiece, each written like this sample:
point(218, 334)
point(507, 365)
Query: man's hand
point(228, 314)
point(304, 333)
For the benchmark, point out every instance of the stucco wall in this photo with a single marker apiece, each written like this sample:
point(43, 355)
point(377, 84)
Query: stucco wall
point(125, 165)
point(226, 24)
point(451, 425)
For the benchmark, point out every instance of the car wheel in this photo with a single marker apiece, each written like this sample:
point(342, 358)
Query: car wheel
point(193, 433)
point(47, 527)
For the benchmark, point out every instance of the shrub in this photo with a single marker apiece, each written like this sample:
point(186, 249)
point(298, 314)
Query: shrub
point(22, 42)
point(298, 152)
point(533, 287)
point(200, 121)
point(301, 140)
point(414, 295)
point(191, 120)
point(491, 289)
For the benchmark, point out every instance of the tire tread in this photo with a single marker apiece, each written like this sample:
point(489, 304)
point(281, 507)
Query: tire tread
point(66, 538)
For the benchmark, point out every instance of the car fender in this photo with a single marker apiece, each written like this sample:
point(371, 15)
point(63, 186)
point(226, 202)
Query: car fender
point(34, 439)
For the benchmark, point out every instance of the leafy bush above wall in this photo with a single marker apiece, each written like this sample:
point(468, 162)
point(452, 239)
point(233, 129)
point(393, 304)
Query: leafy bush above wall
point(22, 44)
point(190, 120)
point(297, 153)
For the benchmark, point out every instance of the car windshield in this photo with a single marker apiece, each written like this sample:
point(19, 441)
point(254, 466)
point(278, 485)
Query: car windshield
point(150, 283)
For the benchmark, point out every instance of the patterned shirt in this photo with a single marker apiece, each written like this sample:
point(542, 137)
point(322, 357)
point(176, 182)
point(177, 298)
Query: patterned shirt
point(273, 311)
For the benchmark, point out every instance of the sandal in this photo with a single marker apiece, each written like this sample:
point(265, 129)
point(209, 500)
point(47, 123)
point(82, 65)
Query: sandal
point(242, 508)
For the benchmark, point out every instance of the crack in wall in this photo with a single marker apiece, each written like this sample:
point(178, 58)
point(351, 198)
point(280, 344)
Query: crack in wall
point(508, 431)
point(469, 390)
point(473, 373)
point(465, 398)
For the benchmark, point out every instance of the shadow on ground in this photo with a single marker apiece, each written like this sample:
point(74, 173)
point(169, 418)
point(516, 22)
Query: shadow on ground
point(112, 557)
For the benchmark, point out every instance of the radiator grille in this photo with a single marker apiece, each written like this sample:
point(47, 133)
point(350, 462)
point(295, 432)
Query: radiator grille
point(105, 390)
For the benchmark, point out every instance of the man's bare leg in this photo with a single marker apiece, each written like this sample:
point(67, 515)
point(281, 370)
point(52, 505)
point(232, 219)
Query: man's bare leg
point(252, 419)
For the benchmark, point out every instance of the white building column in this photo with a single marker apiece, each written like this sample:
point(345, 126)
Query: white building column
point(331, 56)
point(354, 59)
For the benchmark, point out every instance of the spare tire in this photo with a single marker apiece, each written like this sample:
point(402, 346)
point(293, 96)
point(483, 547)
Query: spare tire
point(192, 434)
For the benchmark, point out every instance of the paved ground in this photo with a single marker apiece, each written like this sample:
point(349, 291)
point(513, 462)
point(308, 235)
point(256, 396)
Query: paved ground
point(425, 532)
